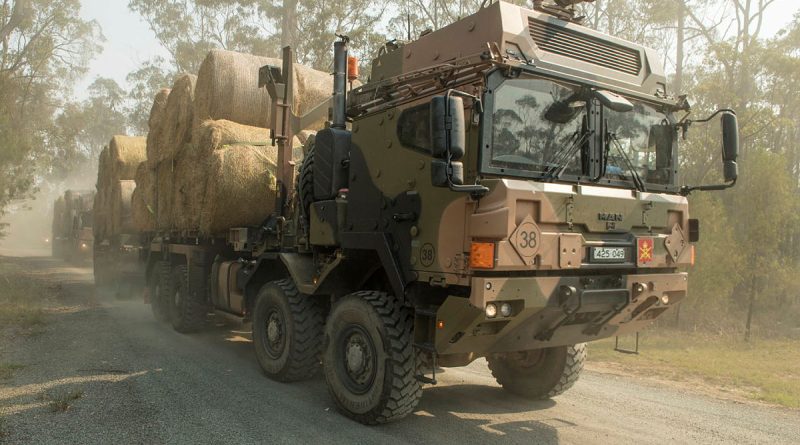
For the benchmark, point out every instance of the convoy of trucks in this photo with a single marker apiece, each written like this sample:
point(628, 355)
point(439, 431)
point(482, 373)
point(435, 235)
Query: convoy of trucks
point(505, 187)
point(72, 238)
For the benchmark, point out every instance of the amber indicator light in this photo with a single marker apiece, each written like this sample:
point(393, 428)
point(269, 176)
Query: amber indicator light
point(352, 68)
point(481, 256)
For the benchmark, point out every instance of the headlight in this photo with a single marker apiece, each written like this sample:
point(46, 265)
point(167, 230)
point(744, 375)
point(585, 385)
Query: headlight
point(491, 310)
point(505, 310)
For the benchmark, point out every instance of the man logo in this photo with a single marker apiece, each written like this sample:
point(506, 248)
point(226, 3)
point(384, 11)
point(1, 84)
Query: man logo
point(613, 217)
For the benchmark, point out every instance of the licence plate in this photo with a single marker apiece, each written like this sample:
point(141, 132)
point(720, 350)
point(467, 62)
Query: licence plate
point(613, 254)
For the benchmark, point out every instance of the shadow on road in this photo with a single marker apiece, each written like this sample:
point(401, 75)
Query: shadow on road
point(137, 356)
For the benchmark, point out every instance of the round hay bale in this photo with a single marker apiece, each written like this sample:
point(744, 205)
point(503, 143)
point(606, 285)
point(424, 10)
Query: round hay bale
point(178, 117)
point(213, 135)
point(312, 87)
point(155, 125)
point(121, 210)
point(240, 190)
point(100, 217)
point(125, 155)
point(143, 200)
point(227, 88)
point(103, 170)
point(164, 195)
point(189, 188)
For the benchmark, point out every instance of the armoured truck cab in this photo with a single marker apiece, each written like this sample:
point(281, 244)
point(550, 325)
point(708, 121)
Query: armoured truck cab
point(505, 187)
point(573, 226)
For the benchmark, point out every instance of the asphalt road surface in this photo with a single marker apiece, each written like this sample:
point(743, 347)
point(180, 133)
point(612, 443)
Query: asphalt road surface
point(137, 381)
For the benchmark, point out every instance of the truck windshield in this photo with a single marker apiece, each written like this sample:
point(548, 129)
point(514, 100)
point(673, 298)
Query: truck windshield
point(538, 126)
point(644, 137)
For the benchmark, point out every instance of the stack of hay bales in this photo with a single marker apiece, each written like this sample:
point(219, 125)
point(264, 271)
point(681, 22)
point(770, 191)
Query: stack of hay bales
point(143, 200)
point(209, 164)
point(119, 162)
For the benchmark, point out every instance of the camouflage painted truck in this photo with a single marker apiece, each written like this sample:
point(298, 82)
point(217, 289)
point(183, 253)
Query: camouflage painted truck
point(505, 187)
point(72, 238)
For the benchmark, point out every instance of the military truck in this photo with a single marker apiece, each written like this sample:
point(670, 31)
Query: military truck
point(72, 238)
point(505, 187)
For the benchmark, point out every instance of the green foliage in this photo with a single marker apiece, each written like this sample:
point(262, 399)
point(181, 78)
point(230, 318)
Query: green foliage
point(712, 283)
point(45, 47)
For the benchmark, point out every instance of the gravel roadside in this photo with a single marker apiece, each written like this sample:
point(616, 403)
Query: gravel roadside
point(137, 381)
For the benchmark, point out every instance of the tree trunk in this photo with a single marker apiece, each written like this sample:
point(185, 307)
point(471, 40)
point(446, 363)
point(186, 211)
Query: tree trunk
point(753, 292)
point(679, 51)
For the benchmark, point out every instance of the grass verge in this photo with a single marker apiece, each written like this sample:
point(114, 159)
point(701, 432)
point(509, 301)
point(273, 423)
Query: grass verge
point(21, 298)
point(7, 370)
point(764, 370)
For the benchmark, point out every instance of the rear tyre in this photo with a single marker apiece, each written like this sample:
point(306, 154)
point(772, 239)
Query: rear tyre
point(287, 332)
point(187, 309)
point(539, 373)
point(369, 358)
point(157, 295)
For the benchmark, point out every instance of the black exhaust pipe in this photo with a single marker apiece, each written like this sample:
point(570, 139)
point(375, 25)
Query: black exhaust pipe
point(340, 82)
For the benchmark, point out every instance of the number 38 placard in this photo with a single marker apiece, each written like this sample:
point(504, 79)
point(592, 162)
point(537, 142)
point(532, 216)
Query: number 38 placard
point(526, 239)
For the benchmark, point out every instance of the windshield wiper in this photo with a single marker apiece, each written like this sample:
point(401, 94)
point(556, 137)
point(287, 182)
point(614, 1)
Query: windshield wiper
point(563, 156)
point(635, 178)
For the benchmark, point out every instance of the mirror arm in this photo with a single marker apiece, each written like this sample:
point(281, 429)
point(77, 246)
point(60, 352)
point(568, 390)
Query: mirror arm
point(685, 123)
point(720, 111)
point(476, 191)
point(476, 100)
point(686, 190)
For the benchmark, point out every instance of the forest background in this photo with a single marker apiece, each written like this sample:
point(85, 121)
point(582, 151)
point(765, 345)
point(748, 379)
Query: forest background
point(717, 51)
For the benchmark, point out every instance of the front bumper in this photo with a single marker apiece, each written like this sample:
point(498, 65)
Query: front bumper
point(553, 311)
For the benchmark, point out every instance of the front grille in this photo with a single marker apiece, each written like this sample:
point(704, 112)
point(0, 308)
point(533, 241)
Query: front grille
point(569, 43)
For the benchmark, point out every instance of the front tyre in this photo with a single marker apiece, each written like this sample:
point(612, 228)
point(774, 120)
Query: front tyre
point(369, 358)
point(539, 373)
point(287, 332)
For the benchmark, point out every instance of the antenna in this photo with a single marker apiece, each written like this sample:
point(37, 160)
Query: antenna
point(563, 9)
point(408, 24)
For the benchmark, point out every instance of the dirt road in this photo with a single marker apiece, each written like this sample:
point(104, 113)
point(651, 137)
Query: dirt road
point(136, 381)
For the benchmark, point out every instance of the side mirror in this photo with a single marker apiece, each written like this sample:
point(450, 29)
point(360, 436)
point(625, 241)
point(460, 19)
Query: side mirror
point(448, 129)
point(730, 149)
point(730, 145)
point(448, 142)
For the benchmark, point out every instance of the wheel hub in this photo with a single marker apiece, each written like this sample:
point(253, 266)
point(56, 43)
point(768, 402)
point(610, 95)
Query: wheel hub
point(274, 330)
point(358, 359)
point(355, 358)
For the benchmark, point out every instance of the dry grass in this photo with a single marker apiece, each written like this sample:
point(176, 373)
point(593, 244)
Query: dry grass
point(7, 370)
point(62, 402)
point(764, 370)
point(21, 298)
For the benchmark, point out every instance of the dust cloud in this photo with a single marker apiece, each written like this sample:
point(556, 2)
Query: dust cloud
point(26, 227)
